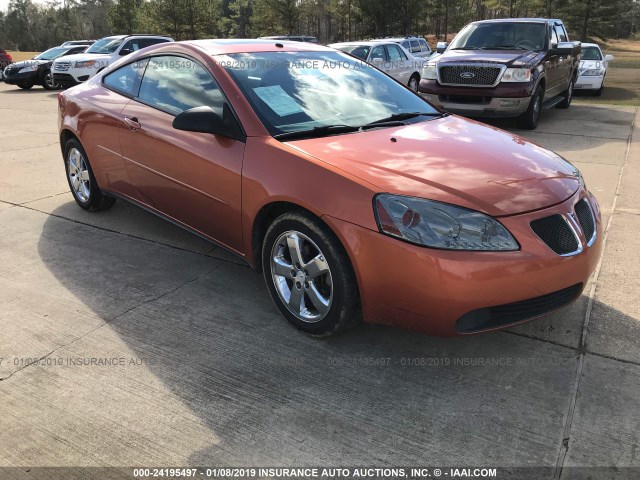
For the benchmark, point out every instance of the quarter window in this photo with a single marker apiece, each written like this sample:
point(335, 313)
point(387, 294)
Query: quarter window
point(126, 80)
point(175, 84)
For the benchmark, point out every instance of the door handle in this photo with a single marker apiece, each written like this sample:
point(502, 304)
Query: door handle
point(132, 123)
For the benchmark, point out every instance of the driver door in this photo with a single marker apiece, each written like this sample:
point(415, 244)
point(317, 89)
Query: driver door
point(193, 178)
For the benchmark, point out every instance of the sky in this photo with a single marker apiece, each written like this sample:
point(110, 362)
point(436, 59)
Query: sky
point(4, 4)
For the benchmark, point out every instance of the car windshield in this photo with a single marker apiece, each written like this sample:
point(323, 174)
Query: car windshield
point(106, 45)
point(591, 53)
point(501, 36)
point(302, 91)
point(52, 53)
point(360, 51)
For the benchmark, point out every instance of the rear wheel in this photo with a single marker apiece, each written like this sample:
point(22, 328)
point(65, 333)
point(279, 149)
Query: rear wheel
point(414, 81)
point(567, 96)
point(529, 119)
point(81, 180)
point(48, 83)
point(309, 275)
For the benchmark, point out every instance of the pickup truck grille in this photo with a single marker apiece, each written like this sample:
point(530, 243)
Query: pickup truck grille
point(62, 66)
point(468, 75)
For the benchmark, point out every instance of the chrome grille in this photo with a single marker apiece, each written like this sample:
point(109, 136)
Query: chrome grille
point(469, 75)
point(62, 66)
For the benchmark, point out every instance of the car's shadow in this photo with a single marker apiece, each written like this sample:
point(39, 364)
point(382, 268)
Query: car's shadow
point(274, 396)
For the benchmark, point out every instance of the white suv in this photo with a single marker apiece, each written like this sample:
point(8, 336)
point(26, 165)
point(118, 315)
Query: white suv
point(74, 69)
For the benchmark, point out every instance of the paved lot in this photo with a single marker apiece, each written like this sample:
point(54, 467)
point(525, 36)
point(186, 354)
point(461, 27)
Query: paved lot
point(207, 372)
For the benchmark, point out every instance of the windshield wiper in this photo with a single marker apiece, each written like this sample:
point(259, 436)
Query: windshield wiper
point(506, 47)
point(398, 117)
point(316, 132)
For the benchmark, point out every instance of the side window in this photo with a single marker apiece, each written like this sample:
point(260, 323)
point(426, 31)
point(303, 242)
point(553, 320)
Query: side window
point(131, 45)
point(394, 53)
point(415, 46)
point(562, 35)
point(147, 42)
point(73, 51)
point(424, 45)
point(378, 53)
point(406, 45)
point(175, 84)
point(126, 80)
point(554, 37)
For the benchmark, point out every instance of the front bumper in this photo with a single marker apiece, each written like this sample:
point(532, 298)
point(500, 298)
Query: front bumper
point(65, 79)
point(431, 291)
point(504, 100)
point(27, 78)
point(589, 82)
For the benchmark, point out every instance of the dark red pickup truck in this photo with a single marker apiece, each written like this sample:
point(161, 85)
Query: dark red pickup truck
point(513, 67)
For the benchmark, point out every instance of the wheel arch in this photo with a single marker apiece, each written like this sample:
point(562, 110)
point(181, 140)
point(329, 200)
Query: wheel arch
point(265, 217)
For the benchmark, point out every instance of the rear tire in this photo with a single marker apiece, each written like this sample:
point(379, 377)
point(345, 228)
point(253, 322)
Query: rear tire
point(567, 96)
point(81, 179)
point(414, 81)
point(309, 275)
point(529, 119)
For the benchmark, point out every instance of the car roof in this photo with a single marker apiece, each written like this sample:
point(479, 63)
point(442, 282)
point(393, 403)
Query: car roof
point(590, 45)
point(364, 42)
point(249, 45)
point(520, 20)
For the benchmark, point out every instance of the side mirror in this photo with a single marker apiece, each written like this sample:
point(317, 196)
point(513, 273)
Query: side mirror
point(608, 58)
point(125, 51)
point(562, 48)
point(441, 47)
point(207, 120)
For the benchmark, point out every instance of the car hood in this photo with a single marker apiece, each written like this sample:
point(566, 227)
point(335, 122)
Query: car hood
point(28, 63)
point(80, 57)
point(587, 64)
point(452, 160)
point(510, 58)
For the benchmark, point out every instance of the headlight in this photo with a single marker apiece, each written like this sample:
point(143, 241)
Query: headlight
point(440, 225)
point(31, 68)
point(593, 72)
point(85, 64)
point(430, 71)
point(516, 75)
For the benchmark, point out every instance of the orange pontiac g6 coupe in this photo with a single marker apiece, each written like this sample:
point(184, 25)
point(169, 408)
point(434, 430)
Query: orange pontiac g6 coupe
point(354, 196)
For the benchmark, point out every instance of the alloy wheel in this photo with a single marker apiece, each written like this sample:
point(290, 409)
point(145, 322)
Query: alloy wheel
point(302, 277)
point(79, 175)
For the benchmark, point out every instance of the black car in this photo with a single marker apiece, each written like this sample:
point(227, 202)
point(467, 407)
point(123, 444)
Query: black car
point(38, 70)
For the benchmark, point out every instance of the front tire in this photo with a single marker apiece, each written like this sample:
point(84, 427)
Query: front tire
point(47, 82)
point(25, 86)
point(81, 180)
point(309, 275)
point(529, 119)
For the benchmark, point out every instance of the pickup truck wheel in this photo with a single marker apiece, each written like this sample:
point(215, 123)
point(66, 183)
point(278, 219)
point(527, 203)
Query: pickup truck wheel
point(568, 96)
point(529, 119)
